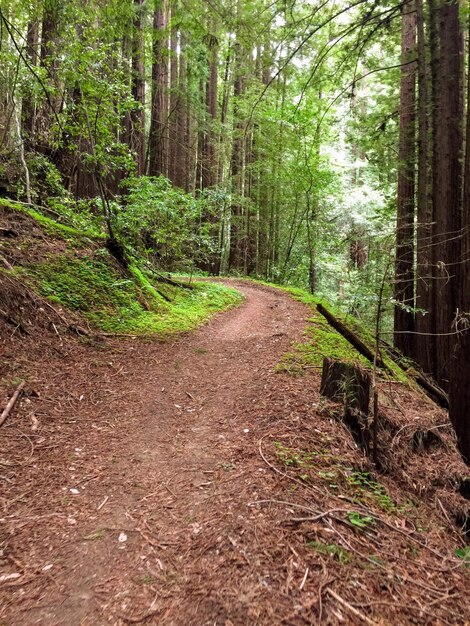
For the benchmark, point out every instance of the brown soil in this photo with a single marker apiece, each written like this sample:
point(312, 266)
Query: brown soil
point(189, 483)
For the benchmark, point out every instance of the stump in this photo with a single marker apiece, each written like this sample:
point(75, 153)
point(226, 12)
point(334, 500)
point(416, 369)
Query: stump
point(350, 385)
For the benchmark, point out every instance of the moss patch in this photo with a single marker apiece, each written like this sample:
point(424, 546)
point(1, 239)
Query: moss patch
point(116, 302)
point(71, 235)
point(324, 341)
point(83, 277)
point(321, 341)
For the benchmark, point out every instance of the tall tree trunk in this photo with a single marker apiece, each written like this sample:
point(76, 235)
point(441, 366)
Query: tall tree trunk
point(182, 148)
point(29, 102)
point(209, 162)
point(223, 140)
point(237, 162)
point(447, 182)
point(423, 344)
point(459, 396)
point(174, 98)
point(49, 60)
point(158, 156)
point(404, 265)
point(138, 87)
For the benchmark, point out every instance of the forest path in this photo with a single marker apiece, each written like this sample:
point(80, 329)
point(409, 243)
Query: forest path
point(170, 452)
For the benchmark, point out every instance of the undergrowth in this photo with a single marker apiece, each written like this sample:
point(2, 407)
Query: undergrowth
point(87, 279)
point(118, 303)
point(338, 477)
point(54, 228)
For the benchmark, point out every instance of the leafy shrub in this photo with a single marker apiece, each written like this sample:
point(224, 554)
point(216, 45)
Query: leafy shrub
point(163, 223)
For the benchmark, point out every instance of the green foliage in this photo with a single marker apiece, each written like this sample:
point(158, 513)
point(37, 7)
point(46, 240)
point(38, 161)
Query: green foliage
point(88, 280)
point(295, 458)
point(366, 488)
point(360, 521)
point(464, 554)
point(46, 180)
point(332, 550)
point(163, 223)
point(115, 302)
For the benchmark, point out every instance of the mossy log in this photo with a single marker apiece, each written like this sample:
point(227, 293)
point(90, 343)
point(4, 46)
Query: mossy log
point(432, 390)
point(348, 334)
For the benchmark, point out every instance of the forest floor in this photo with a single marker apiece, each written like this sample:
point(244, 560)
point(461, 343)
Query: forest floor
point(190, 483)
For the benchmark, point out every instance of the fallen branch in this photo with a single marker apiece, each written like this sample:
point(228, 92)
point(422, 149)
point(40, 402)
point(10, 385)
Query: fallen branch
point(432, 391)
point(11, 403)
point(436, 393)
point(170, 281)
point(353, 339)
point(6, 263)
point(350, 608)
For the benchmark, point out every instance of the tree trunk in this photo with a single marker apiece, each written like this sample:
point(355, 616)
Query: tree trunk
point(29, 102)
point(49, 59)
point(209, 160)
point(423, 344)
point(138, 88)
point(447, 183)
point(158, 143)
point(459, 396)
point(181, 167)
point(237, 163)
point(404, 265)
point(174, 99)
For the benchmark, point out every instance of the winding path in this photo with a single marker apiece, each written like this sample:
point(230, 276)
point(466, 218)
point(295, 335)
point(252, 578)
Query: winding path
point(160, 474)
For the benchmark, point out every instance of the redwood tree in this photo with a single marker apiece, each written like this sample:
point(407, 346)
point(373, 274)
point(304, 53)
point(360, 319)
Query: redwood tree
point(404, 266)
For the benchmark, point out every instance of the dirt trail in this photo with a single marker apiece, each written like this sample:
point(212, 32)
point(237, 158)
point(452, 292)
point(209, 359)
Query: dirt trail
point(190, 484)
point(169, 478)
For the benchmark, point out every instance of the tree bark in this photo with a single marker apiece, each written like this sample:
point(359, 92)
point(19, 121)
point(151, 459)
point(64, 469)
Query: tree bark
point(158, 157)
point(237, 162)
point(404, 264)
point(49, 59)
point(181, 166)
point(423, 347)
point(138, 87)
point(209, 157)
point(174, 98)
point(29, 102)
point(447, 183)
point(459, 395)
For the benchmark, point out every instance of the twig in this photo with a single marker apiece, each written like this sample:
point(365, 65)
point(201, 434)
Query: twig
point(11, 403)
point(8, 265)
point(350, 608)
point(103, 503)
point(141, 618)
point(304, 579)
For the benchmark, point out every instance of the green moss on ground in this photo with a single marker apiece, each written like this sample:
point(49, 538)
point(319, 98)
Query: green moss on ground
point(71, 235)
point(111, 299)
point(322, 340)
point(117, 303)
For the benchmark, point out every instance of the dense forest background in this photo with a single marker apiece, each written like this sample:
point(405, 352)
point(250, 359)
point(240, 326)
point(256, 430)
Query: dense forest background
point(321, 144)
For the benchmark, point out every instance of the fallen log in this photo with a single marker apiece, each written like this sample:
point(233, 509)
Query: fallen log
point(348, 334)
point(7, 410)
point(433, 391)
point(438, 395)
point(170, 281)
